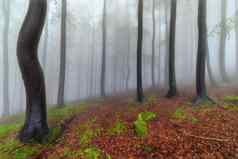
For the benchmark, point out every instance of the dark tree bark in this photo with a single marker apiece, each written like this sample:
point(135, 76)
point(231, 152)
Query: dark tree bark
point(166, 71)
point(172, 77)
point(222, 53)
point(35, 126)
point(202, 54)
point(104, 39)
point(6, 16)
point(153, 45)
point(140, 94)
point(61, 91)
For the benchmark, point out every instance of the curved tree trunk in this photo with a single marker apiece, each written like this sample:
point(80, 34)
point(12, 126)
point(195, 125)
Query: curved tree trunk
point(201, 54)
point(104, 38)
point(140, 95)
point(35, 126)
point(172, 79)
point(222, 56)
point(6, 13)
point(61, 91)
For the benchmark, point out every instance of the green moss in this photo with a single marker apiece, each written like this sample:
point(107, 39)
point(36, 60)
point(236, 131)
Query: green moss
point(231, 98)
point(6, 129)
point(118, 128)
point(92, 153)
point(141, 125)
point(229, 106)
point(13, 149)
point(54, 134)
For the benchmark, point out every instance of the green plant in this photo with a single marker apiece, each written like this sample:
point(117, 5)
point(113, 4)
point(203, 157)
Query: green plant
point(141, 125)
point(118, 128)
point(92, 153)
point(179, 114)
point(151, 99)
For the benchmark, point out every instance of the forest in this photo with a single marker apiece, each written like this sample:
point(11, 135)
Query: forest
point(123, 79)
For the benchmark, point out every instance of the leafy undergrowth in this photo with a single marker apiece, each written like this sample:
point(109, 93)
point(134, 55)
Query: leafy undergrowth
point(123, 129)
point(11, 148)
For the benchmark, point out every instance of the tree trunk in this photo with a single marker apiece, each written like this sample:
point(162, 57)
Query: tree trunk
point(201, 55)
point(61, 87)
point(6, 13)
point(140, 95)
point(153, 45)
point(209, 70)
point(223, 41)
point(236, 34)
point(104, 38)
point(35, 126)
point(172, 77)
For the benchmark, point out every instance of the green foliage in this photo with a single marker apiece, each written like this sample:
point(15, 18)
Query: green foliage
point(148, 148)
point(118, 128)
point(147, 116)
point(69, 153)
point(141, 125)
point(13, 149)
point(179, 114)
point(86, 133)
point(5, 129)
point(231, 107)
point(92, 153)
point(66, 111)
point(151, 99)
point(194, 120)
point(54, 134)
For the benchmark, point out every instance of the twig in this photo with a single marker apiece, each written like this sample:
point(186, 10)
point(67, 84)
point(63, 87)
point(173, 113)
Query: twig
point(206, 138)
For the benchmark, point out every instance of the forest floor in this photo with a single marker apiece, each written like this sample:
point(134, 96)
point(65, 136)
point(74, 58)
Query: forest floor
point(120, 128)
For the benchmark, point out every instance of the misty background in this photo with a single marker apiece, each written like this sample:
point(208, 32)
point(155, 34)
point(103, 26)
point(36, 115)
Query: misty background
point(84, 47)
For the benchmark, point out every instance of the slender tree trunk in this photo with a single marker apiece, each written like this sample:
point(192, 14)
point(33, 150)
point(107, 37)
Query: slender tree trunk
point(153, 45)
point(223, 41)
point(236, 34)
point(166, 72)
point(61, 91)
point(140, 94)
point(209, 70)
point(172, 77)
point(104, 39)
point(35, 126)
point(202, 54)
point(6, 13)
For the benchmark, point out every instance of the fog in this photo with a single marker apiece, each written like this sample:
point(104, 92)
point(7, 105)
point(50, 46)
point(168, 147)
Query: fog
point(84, 47)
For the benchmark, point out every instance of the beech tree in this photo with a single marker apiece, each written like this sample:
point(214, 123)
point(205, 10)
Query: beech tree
point(202, 54)
point(35, 126)
point(6, 18)
point(61, 87)
point(140, 95)
point(104, 36)
point(172, 79)
point(223, 36)
point(153, 44)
